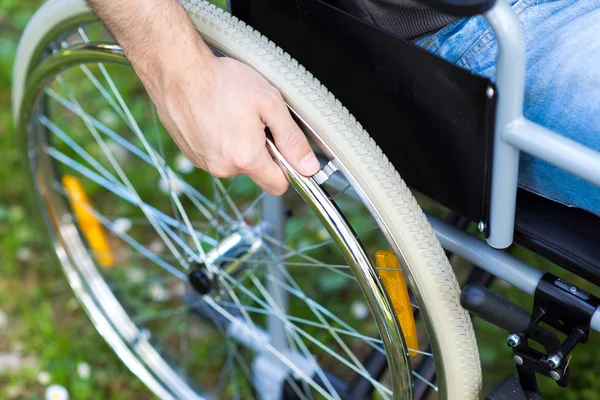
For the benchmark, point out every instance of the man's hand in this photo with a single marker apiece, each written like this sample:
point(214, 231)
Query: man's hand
point(217, 113)
point(216, 109)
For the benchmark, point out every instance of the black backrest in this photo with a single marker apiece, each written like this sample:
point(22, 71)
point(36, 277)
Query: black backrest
point(461, 8)
point(432, 118)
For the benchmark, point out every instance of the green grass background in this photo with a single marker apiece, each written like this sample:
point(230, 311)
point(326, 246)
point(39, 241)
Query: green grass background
point(42, 325)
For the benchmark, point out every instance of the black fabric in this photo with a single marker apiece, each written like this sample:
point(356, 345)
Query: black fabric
point(406, 19)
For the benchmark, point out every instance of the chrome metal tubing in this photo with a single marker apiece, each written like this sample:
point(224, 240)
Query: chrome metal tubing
point(554, 148)
point(274, 218)
point(496, 262)
point(366, 275)
point(510, 80)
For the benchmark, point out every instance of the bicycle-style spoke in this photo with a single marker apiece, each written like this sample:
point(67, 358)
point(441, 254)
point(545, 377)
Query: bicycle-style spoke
point(121, 192)
point(200, 201)
point(310, 337)
point(377, 343)
point(320, 317)
point(271, 293)
point(136, 245)
point(293, 252)
point(123, 177)
point(159, 163)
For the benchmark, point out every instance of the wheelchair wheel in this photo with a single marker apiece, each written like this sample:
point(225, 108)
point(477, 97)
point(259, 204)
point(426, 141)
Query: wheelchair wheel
point(207, 287)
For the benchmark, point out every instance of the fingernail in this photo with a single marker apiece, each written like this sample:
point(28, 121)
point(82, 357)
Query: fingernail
point(310, 164)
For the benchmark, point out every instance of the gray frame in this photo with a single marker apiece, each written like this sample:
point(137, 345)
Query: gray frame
point(514, 133)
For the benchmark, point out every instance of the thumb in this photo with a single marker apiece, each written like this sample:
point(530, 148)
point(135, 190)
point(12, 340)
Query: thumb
point(290, 140)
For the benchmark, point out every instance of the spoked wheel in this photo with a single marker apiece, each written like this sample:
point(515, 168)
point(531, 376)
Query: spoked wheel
point(207, 287)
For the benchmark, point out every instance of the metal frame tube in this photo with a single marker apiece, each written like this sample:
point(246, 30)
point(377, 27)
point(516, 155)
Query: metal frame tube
point(273, 211)
point(496, 262)
point(554, 148)
point(510, 80)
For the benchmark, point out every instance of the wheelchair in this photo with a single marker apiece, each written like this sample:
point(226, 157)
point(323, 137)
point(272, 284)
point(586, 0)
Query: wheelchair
point(341, 288)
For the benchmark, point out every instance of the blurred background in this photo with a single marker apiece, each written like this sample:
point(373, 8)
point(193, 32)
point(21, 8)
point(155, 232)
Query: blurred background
point(46, 338)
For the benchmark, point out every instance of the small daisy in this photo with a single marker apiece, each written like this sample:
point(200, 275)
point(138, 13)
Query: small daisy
point(119, 152)
point(44, 378)
point(84, 370)
point(322, 234)
point(158, 293)
point(121, 225)
point(24, 254)
point(175, 184)
point(56, 392)
point(136, 275)
point(183, 165)
point(359, 310)
point(107, 117)
point(156, 246)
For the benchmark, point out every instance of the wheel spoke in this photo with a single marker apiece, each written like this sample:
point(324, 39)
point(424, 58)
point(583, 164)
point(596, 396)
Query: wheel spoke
point(320, 317)
point(311, 338)
point(137, 246)
point(263, 311)
point(434, 387)
point(114, 163)
point(120, 191)
point(199, 201)
point(272, 301)
point(272, 350)
point(294, 252)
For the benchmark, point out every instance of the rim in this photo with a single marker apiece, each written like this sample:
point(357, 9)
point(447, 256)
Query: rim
point(89, 283)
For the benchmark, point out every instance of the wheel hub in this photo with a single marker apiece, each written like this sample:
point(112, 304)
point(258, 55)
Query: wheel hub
point(230, 256)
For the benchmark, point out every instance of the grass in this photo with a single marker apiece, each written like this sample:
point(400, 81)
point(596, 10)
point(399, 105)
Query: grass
point(43, 326)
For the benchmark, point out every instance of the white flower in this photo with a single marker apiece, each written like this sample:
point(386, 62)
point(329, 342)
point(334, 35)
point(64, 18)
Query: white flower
point(359, 310)
point(156, 246)
point(174, 183)
point(322, 234)
point(72, 304)
point(24, 254)
point(107, 116)
point(136, 275)
point(44, 378)
point(56, 392)
point(183, 165)
point(84, 370)
point(157, 292)
point(121, 225)
point(119, 152)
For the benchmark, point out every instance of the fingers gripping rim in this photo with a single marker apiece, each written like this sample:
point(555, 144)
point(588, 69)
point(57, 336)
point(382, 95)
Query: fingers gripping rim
point(408, 227)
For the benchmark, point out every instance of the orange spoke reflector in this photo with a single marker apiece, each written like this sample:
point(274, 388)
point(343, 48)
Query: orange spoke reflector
point(393, 280)
point(88, 223)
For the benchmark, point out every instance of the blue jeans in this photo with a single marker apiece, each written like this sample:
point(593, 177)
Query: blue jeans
point(562, 83)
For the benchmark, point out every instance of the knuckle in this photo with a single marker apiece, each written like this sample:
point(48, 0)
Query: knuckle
point(278, 188)
point(272, 97)
point(243, 160)
point(219, 171)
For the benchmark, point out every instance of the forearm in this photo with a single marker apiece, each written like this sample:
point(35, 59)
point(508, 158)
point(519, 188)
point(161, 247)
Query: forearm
point(157, 37)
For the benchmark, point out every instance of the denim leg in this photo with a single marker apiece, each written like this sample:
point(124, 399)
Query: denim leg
point(562, 82)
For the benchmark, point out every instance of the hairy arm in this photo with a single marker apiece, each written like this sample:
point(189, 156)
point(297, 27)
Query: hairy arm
point(216, 109)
